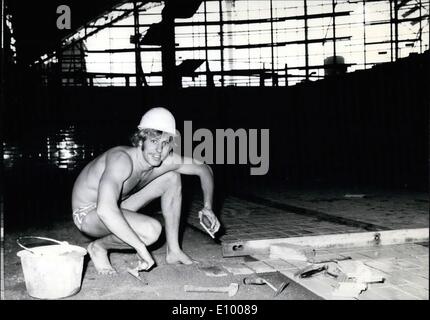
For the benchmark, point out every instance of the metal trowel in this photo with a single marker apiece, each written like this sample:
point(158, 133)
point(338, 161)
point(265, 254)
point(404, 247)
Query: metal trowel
point(259, 281)
point(206, 224)
point(135, 273)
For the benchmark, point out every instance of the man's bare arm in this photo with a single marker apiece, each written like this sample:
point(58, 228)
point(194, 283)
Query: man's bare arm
point(118, 169)
point(207, 182)
point(206, 178)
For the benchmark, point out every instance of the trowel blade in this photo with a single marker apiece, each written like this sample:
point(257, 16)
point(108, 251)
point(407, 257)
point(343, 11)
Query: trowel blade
point(136, 275)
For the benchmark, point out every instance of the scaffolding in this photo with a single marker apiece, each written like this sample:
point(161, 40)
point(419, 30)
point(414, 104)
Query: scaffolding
point(242, 43)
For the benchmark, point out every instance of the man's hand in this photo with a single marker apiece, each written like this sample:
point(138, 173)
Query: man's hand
point(144, 266)
point(145, 262)
point(210, 215)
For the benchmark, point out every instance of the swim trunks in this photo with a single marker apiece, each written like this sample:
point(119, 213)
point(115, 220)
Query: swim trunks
point(80, 213)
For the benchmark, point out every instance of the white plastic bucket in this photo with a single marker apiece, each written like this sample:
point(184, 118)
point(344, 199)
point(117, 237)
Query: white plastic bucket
point(52, 271)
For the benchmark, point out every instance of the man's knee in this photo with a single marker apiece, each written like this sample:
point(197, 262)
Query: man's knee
point(153, 231)
point(173, 179)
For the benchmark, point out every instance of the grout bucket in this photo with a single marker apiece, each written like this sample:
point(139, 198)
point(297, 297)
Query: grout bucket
point(52, 271)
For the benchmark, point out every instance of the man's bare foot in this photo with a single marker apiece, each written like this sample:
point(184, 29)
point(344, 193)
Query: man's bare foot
point(100, 259)
point(178, 257)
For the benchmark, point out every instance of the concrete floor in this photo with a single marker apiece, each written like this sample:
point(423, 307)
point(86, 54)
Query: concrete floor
point(165, 281)
point(242, 217)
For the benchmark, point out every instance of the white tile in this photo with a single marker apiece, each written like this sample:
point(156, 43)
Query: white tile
point(417, 292)
point(238, 269)
point(259, 267)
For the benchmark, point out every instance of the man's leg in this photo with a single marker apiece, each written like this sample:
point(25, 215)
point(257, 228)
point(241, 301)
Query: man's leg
point(169, 187)
point(171, 202)
point(147, 228)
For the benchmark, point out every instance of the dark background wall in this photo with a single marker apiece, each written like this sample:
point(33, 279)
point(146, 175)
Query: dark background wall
point(366, 128)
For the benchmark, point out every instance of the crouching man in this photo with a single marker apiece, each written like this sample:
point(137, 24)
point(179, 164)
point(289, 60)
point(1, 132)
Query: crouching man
point(114, 186)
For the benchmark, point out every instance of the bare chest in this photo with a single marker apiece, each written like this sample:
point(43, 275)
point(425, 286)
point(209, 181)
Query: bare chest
point(138, 180)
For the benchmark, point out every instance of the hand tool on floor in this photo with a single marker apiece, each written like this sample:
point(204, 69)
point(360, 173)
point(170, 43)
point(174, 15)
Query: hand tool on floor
point(231, 289)
point(260, 281)
point(336, 259)
point(310, 271)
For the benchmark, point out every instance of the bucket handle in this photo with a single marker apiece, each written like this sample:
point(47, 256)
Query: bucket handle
point(41, 238)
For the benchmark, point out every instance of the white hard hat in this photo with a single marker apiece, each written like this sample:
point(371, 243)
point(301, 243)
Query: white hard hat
point(159, 119)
